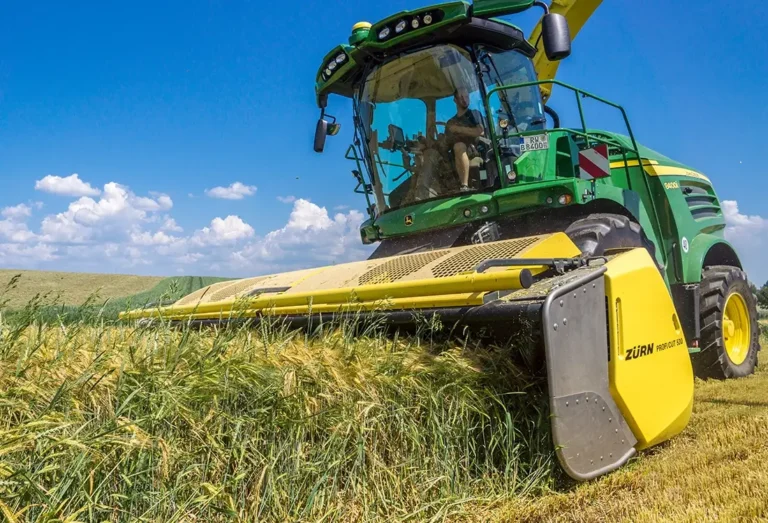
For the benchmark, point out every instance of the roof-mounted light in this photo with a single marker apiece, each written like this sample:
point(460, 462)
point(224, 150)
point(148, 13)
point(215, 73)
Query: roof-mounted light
point(401, 25)
point(384, 33)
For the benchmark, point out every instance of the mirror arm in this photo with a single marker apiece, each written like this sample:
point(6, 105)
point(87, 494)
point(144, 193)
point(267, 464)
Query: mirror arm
point(541, 4)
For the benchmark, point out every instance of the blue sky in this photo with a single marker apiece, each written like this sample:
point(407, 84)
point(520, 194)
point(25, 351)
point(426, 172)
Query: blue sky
point(154, 104)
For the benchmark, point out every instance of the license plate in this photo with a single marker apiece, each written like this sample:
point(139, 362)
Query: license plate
point(536, 142)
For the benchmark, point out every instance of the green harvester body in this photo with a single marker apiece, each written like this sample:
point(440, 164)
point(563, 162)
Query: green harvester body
point(676, 206)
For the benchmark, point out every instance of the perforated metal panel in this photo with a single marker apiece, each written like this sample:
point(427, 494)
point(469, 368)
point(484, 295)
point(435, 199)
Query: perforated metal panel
point(399, 267)
point(468, 259)
point(203, 295)
point(236, 288)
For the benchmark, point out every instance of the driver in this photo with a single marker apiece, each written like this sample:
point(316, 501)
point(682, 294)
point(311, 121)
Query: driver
point(462, 131)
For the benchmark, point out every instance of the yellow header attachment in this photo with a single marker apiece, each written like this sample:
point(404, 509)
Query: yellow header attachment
point(441, 278)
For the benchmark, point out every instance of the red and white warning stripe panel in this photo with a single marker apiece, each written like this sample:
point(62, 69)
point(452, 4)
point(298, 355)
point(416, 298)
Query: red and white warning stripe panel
point(594, 163)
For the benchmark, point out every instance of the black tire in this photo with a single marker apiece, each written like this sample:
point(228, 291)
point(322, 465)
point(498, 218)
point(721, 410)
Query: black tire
point(599, 234)
point(713, 362)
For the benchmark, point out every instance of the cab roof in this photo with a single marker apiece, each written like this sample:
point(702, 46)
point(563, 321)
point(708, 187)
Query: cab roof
point(454, 22)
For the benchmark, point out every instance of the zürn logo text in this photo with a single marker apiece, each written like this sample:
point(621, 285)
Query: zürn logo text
point(639, 351)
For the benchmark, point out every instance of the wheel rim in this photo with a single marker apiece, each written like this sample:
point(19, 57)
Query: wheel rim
point(737, 331)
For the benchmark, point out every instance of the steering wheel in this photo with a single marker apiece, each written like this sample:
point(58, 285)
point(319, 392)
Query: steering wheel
point(445, 127)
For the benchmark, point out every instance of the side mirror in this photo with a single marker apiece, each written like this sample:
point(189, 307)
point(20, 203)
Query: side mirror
point(322, 130)
point(557, 37)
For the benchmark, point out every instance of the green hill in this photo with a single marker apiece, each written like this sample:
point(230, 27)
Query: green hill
point(167, 290)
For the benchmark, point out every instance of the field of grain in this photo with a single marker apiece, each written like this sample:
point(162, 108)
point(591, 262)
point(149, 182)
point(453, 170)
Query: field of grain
point(130, 423)
point(71, 288)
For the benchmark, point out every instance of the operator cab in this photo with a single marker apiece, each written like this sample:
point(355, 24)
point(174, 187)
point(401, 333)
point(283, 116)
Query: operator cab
point(409, 109)
point(428, 123)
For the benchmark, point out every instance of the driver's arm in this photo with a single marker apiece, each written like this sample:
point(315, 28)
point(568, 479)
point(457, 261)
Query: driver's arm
point(474, 131)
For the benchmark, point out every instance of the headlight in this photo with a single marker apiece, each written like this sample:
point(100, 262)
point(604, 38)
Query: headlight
point(332, 65)
point(384, 33)
point(427, 19)
point(415, 23)
point(328, 72)
point(340, 59)
point(400, 27)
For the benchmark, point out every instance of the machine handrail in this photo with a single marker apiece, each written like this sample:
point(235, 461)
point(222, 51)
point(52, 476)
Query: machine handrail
point(579, 93)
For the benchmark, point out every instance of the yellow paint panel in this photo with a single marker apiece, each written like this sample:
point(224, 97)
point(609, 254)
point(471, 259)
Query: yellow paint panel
point(651, 377)
point(663, 170)
point(400, 304)
point(558, 245)
point(632, 163)
point(652, 168)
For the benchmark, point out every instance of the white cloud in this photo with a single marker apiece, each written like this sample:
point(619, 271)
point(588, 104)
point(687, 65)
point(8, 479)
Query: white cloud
point(286, 199)
point(16, 232)
point(71, 185)
point(14, 227)
point(227, 230)
point(170, 225)
point(310, 238)
point(341, 208)
point(17, 212)
point(20, 256)
point(159, 238)
point(116, 214)
point(740, 225)
point(236, 191)
point(162, 202)
point(748, 234)
point(121, 231)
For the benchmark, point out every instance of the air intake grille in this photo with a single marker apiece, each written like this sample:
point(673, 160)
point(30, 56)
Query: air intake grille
point(468, 259)
point(701, 200)
point(399, 267)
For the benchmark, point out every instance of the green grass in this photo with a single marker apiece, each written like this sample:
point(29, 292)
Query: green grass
point(123, 423)
point(107, 423)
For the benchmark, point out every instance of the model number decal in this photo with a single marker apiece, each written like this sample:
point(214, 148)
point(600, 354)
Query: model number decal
point(640, 351)
point(672, 185)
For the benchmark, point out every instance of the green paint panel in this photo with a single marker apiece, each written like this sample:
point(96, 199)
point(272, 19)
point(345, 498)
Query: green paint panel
point(487, 8)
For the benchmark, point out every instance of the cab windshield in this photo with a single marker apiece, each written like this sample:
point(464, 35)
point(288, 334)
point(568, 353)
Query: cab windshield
point(424, 127)
point(518, 109)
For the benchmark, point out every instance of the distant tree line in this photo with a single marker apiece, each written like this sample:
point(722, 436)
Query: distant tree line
point(762, 295)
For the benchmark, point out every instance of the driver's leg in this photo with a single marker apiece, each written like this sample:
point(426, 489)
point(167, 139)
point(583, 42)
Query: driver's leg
point(462, 162)
point(426, 180)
